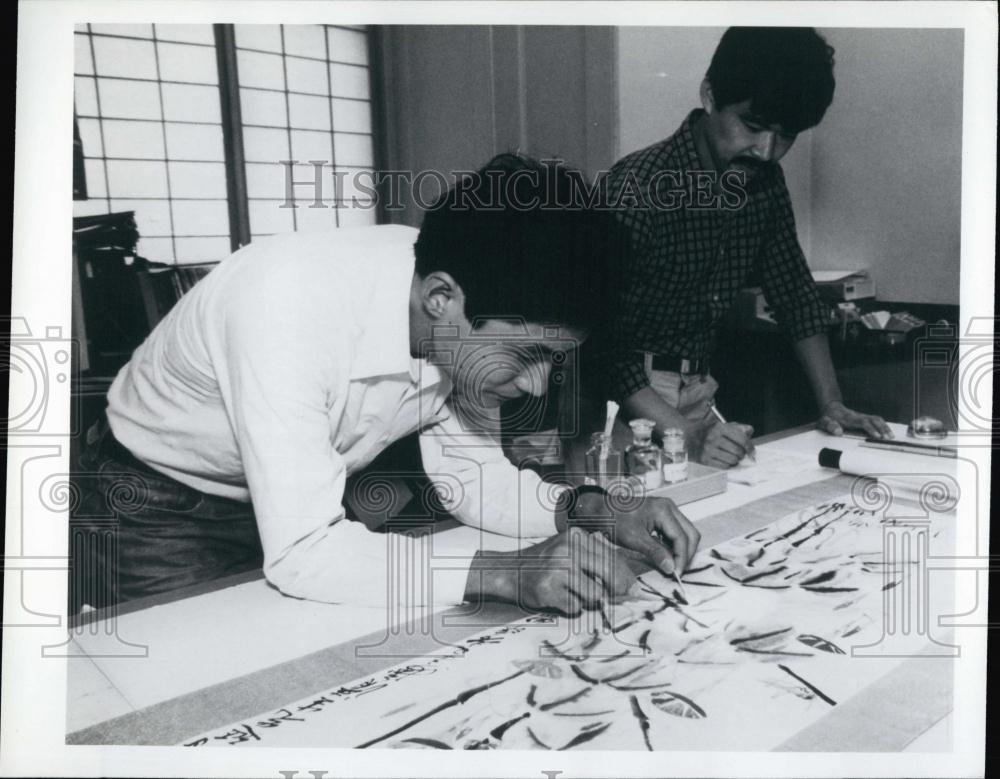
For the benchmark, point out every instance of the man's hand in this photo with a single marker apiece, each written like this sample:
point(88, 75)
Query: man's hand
point(568, 572)
point(837, 417)
point(659, 532)
point(814, 354)
point(719, 445)
point(655, 531)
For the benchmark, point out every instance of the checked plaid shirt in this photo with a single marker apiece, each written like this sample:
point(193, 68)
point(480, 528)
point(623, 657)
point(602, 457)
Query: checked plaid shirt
point(688, 264)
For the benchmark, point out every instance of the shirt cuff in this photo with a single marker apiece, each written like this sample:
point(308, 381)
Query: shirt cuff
point(448, 584)
point(808, 320)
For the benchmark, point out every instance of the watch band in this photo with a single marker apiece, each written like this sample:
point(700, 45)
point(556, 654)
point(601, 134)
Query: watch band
point(568, 505)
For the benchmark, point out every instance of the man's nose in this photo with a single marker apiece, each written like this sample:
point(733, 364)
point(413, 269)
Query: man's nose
point(764, 148)
point(534, 379)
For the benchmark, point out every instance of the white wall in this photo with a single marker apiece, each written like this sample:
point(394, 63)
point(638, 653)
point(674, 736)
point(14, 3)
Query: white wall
point(457, 95)
point(660, 70)
point(886, 186)
point(877, 183)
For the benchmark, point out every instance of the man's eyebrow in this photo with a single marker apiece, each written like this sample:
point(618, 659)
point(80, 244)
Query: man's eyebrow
point(757, 119)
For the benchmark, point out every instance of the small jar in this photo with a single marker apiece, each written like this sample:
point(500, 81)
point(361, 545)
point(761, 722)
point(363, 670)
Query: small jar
point(643, 458)
point(604, 462)
point(675, 459)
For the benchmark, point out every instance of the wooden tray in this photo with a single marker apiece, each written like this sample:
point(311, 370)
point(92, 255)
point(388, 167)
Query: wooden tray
point(702, 482)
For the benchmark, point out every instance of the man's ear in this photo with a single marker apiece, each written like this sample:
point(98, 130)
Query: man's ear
point(440, 296)
point(707, 98)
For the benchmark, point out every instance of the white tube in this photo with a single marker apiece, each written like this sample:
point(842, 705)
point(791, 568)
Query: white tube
point(906, 475)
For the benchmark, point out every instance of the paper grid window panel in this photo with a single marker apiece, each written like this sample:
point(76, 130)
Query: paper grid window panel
point(195, 142)
point(188, 62)
point(124, 57)
point(308, 112)
point(152, 217)
point(148, 103)
point(90, 135)
point(150, 119)
point(151, 248)
point(85, 95)
point(351, 216)
point(199, 217)
point(191, 103)
point(349, 81)
point(347, 45)
point(92, 207)
point(96, 181)
point(203, 249)
point(265, 144)
point(263, 71)
point(355, 150)
point(268, 217)
point(144, 31)
point(352, 116)
point(266, 181)
point(259, 37)
point(262, 109)
point(310, 83)
point(307, 76)
point(124, 98)
point(129, 140)
point(198, 180)
point(186, 33)
point(354, 184)
point(308, 145)
point(316, 218)
point(303, 40)
point(83, 63)
point(137, 179)
point(310, 183)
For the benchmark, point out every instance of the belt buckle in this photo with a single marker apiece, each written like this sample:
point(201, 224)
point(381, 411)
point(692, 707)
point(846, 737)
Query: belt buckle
point(97, 432)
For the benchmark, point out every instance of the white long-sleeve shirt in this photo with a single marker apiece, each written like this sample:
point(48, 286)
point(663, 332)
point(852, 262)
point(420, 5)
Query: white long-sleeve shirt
point(285, 370)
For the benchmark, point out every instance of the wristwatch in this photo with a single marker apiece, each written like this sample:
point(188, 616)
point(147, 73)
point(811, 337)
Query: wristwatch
point(569, 501)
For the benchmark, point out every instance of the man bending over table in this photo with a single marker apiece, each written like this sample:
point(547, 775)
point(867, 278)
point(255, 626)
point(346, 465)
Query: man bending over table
point(302, 356)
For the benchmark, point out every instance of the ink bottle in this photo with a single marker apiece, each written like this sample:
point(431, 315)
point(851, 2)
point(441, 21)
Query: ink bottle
point(643, 458)
point(675, 459)
point(604, 462)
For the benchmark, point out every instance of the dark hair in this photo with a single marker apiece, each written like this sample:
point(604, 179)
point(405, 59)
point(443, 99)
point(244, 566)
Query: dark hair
point(521, 240)
point(785, 72)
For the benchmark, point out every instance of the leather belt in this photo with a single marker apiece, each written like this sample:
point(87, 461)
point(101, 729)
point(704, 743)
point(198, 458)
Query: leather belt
point(667, 362)
point(109, 446)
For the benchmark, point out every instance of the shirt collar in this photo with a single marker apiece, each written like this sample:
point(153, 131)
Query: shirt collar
point(687, 149)
point(383, 340)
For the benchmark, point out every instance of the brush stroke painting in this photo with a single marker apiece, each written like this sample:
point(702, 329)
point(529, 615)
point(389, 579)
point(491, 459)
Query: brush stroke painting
point(760, 643)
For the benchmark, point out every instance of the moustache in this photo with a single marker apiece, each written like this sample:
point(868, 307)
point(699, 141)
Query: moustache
point(749, 163)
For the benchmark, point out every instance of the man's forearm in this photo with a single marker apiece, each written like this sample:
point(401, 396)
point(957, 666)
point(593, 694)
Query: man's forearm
point(834, 416)
point(647, 404)
point(813, 354)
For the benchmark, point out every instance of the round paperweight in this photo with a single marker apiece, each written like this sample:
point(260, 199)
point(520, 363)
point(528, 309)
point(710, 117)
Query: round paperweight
point(926, 427)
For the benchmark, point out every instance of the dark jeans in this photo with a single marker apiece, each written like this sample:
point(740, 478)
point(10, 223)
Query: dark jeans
point(136, 532)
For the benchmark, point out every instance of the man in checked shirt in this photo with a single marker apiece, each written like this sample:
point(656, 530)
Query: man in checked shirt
point(707, 207)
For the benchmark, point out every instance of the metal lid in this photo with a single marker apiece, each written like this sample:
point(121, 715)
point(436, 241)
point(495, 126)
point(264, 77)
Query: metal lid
point(642, 427)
